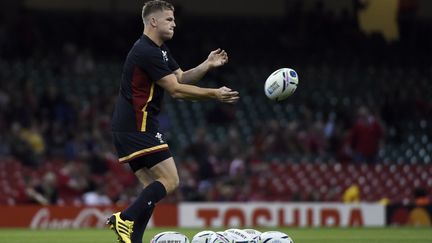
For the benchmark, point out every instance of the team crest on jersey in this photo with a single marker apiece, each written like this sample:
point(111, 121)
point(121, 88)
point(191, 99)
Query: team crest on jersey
point(159, 137)
point(165, 55)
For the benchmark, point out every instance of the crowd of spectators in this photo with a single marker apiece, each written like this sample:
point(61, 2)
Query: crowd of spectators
point(58, 86)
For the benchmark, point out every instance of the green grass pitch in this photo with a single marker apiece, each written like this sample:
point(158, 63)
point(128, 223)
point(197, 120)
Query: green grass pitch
point(306, 235)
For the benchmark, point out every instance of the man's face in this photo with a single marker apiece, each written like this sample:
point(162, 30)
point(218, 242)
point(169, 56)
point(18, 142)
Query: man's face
point(165, 23)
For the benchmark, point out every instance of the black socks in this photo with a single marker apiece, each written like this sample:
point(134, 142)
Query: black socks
point(141, 209)
point(150, 195)
point(140, 225)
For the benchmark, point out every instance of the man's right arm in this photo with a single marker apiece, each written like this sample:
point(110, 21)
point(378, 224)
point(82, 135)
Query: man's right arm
point(215, 59)
point(191, 92)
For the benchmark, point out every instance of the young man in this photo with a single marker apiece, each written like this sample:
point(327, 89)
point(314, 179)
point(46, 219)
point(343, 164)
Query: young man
point(150, 69)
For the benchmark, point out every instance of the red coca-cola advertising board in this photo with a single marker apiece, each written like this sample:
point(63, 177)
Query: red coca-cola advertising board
point(37, 217)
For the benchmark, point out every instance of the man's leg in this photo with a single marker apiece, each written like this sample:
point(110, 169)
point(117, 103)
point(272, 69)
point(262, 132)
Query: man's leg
point(165, 181)
point(140, 224)
point(139, 212)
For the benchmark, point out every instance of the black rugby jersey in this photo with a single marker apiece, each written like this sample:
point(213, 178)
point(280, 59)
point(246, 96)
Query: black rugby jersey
point(139, 100)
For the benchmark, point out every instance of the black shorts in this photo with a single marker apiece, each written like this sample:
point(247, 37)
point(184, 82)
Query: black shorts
point(140, 149)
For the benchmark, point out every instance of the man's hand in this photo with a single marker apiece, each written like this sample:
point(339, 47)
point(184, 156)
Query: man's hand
point(226, 95)
point(217, 58)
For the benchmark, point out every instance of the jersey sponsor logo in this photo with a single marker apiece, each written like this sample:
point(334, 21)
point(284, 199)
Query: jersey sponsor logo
point(159, 137)
point(165, 55)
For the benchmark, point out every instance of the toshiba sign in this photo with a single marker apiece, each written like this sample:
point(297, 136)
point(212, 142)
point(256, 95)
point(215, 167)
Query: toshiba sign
point(203, 215)
point(280, 214)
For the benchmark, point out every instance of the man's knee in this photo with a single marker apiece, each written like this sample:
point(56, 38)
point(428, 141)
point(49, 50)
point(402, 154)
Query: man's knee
point(166, 173)
point(176, 182)
point(170, 183)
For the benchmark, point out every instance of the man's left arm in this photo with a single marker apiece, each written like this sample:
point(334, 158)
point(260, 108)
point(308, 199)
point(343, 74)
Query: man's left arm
point(215, 59)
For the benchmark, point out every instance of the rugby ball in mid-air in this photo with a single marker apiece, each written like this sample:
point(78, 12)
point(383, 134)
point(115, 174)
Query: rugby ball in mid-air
point(170, 237)
point(275, 237)
point(281, 84)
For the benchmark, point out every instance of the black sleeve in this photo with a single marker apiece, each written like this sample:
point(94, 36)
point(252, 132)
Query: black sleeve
point(172, 63)
point(152, 63)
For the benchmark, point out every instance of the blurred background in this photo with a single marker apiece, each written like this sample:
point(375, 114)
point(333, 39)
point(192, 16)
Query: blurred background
point(358, 128)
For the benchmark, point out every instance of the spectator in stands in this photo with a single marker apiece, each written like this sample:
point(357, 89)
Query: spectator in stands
point(366, 136)
point(199, 151)
point(315, 141)
point(33, 137)
point(96, 196)
point(46, 192)
point(291, 138)
point(237, 167)
point(268, 137)
point(20, 146)
point(189, 188)
point(73, 181)
point(351, 194)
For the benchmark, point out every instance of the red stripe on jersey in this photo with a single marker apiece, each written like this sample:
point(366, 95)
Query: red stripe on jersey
point(141, 86)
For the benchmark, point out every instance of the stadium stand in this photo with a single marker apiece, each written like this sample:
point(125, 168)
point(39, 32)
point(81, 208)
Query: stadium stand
point(58, 85)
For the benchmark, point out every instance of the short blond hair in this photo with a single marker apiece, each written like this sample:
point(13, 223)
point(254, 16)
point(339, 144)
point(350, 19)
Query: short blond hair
point(155, 6)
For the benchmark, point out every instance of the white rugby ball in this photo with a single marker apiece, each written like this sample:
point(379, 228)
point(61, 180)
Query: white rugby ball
point(281, 84)
point(275, 237)
point(203, 236)
point(170, 237)
point(255, 234)
point(239, 236)
point(219, 237)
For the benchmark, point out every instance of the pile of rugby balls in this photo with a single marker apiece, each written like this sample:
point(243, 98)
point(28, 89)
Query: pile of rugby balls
point(227, 236)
